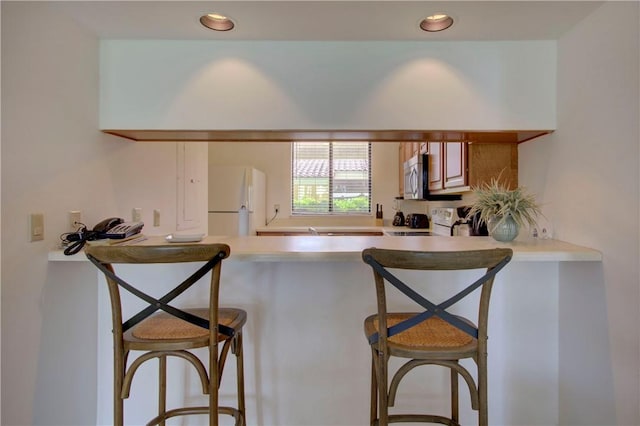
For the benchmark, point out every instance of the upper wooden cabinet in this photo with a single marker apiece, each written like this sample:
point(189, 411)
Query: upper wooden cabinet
point(401, 169)
point(436, 181)
point(455, 164)
point(410, 150)
point(456, 167)
point(490, 160)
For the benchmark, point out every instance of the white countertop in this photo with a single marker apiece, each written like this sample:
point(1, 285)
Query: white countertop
point(321, 228)
point(349, 248)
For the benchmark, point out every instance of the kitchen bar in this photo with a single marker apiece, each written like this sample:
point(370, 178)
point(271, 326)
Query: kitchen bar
point(307, 297)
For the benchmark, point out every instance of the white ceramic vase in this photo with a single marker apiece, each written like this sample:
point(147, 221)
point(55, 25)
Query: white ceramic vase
point(503, 230)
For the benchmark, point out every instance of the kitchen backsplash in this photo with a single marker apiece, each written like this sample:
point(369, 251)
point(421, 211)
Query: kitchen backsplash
point(406, 206)
point(417, 206)
point(328, 220)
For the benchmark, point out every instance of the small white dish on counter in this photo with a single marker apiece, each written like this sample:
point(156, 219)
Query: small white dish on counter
point(184, 238)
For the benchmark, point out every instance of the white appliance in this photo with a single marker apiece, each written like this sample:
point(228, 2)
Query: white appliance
point(443, 219)
point(231, 188)
point(416, 177)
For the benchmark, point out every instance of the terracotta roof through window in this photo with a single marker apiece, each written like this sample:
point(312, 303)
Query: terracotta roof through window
point(320, 167)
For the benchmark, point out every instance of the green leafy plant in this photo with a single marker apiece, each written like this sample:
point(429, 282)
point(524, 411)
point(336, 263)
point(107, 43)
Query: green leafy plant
point(494, 200)
point(351, 204)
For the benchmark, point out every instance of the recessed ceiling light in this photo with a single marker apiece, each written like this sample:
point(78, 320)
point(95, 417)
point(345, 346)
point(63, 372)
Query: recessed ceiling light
point(436, 22)
point(217, 22)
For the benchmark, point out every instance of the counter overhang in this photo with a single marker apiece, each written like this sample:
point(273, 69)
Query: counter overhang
point(349, 248)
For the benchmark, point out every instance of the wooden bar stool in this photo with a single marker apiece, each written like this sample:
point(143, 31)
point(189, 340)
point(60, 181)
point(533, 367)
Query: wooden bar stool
point(172, 331)
point(432, 336)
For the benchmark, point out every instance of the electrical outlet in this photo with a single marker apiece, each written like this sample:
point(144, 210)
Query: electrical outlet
point(276, 208)
point(36, 226)
point(136, 214)
point(156, 217)
point(75, 218)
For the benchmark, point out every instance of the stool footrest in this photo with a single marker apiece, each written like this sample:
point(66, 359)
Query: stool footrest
point(420, 418)
point(187, 411)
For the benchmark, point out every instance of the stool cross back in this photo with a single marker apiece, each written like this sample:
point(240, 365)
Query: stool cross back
point(161, 330)
point(430, 337)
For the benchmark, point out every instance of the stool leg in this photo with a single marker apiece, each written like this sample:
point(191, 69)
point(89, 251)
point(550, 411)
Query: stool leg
point(214, 383)
point(454, 396)
point(238, 351)
point(374, 392)
point(483, 416)
point(118, 379)
point(383, 393)
point(162, 387)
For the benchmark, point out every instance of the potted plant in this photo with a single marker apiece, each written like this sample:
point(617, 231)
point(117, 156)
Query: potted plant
point(504, 210)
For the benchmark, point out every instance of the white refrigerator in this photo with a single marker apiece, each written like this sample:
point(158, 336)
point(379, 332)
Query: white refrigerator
point(231, 188)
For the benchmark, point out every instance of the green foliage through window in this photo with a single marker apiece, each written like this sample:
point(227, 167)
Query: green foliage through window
point(331, 178)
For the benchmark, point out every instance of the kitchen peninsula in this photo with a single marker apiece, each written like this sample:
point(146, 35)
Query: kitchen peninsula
point(305, 352)
point(347, 248)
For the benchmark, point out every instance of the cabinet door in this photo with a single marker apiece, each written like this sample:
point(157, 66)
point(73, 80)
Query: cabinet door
point(408, 150)
point(415, 148)
point(455, 164)
point(435, 166)
point(488, 161)
point(191, 171)
point(401, 168)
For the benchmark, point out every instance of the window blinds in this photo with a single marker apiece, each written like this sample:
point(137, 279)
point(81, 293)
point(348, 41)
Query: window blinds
point(331, 178)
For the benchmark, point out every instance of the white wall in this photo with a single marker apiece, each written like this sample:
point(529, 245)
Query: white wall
point(147, 84)
point(274, 159)
point(0, 233)
point(587, 175)
point(54, 160)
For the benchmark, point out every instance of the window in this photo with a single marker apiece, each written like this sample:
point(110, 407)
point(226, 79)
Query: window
point(331, 178)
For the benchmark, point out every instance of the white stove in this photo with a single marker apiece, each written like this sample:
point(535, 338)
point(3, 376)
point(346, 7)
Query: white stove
point(442, 220)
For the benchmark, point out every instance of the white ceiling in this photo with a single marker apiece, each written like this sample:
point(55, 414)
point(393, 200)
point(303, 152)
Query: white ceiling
point(328, 20)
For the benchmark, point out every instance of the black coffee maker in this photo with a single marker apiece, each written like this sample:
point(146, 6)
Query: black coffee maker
point(398, 219)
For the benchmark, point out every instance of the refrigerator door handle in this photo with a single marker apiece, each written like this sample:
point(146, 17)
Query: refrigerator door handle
point(250, 198)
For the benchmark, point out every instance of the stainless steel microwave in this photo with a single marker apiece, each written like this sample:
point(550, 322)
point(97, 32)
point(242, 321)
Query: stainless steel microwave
point(416, 177)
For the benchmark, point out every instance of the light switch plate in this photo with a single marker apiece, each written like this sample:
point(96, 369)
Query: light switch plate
point(136, 214)
point(36, 227)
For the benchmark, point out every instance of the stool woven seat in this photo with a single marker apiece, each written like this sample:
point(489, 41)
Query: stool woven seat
point(433, 333)
point(432, 336)
point(161, 330)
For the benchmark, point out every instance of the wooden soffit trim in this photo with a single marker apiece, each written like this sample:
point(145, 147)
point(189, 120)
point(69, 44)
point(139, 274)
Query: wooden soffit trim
point(502, 136)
